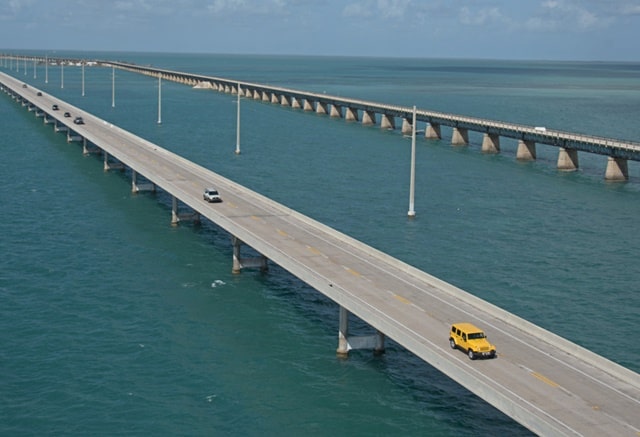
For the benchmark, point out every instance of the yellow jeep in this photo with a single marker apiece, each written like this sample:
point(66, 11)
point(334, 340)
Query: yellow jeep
point(472, 340)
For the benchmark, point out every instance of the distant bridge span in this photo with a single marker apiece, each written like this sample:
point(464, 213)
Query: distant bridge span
point(618, 152)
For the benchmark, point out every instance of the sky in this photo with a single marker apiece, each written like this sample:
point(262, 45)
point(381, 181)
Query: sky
point(601, 30)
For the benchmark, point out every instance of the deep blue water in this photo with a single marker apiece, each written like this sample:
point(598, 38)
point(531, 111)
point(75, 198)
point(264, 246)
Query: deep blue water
point(114, 322)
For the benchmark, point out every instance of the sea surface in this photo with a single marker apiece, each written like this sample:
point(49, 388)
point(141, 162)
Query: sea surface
point(113, 322)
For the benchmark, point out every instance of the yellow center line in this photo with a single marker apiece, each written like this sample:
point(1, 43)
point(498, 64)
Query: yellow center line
point(353, 272)
point(283, 233)
point(545, 379)
point(314, 250)
point(255, 217)
point(402, 299)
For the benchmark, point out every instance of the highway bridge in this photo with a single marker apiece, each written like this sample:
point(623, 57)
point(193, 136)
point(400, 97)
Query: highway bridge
point(546, 383)
point(618, 152)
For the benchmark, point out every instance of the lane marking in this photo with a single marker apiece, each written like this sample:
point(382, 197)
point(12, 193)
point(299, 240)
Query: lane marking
point(353, 272)
point(283, 233)
point(402, 299)
point(314, 250)
point(545, 379)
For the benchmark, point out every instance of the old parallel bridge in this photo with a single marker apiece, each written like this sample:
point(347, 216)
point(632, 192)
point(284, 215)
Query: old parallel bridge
point(617, 151)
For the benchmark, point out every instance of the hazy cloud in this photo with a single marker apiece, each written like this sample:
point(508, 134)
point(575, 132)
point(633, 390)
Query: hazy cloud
point(480, 16)
point(501, 28)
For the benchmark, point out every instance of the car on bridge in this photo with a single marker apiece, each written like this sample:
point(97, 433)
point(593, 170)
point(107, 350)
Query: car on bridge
point(78, 120)
point(55, 107)
point(67, 114)
point(211, 195)
point(472, 340)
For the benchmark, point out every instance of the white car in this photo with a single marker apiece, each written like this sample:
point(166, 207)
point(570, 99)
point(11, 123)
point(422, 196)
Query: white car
point(211, 195)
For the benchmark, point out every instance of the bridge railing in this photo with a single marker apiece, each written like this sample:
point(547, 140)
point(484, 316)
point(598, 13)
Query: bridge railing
point(592, 143)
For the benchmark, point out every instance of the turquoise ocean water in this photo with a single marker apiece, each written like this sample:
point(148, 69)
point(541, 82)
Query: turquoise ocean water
point(113, 322)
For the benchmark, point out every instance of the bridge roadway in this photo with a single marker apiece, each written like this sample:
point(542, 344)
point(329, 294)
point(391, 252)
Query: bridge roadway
point(548, 384)
point(622, 149)
point(619, 152)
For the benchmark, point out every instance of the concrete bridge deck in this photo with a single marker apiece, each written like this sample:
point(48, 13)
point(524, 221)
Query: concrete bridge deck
point(617, 151)
point(548, 384)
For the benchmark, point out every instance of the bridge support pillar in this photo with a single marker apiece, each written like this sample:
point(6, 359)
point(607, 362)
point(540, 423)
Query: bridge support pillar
point(336, 111)
point(617, 169)
point(73, 138)
point(177, 217)
point(351, 114)
point(567, 159)
point(87, 149)
point(460, 137)
point(111, 165)
point(274, 98)
point(491, 143)
point(284, 100)
point(136, 187)
point(256, 95)
point(295, 103)
point(387, 122)
point(407, 127)
point(347, 343)
point(321, 108)
point(432, 132)
point(105, 166)
point(265, 96)
point(240, 263)
point(526, 151)
point(308, 105)
point(368, 118)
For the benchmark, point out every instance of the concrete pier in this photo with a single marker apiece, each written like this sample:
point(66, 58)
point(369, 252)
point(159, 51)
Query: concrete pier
point(351, 114)
point(321, 108)
point(308, 105)
point(368, 118)
point(177, 216)
point(526, 150)
point(240, 262)
point(407, 127)
point(387, 122)
point(346, 342)
point(567, 159)
point(432, 132)
point(491, 143)
point(136, 187)
point(617, 169)
point(460, 137)
point(336, 111)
